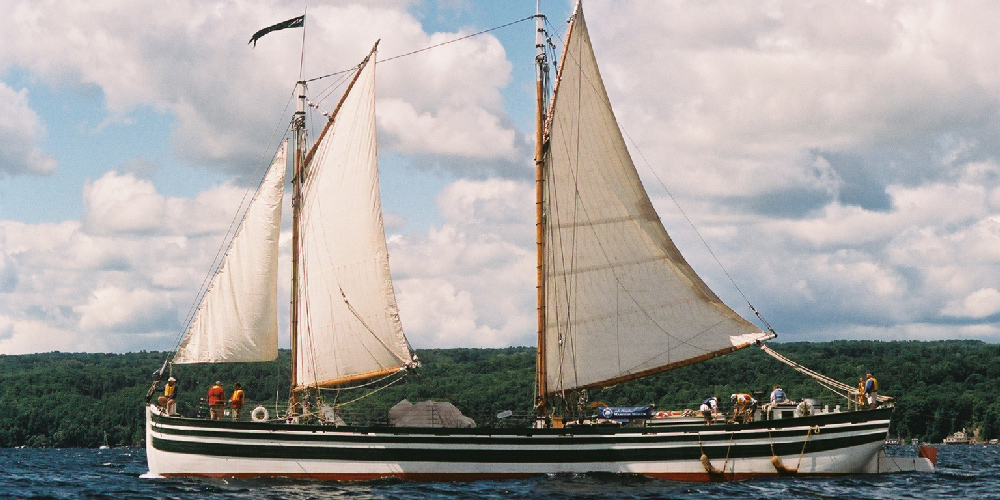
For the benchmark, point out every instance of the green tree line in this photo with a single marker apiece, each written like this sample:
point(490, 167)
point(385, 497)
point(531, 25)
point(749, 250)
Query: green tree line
point(86, 400)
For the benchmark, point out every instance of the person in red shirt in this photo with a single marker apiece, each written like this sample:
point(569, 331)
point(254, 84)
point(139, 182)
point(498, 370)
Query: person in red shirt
point(216, 401)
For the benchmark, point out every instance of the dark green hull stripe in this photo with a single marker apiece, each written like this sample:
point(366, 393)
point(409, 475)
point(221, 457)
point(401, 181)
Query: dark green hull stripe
point(523, 455)
point(858, 417)
point(646, 444)
point(662, 437)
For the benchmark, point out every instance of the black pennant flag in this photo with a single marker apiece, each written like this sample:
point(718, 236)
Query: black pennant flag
point(295, 22)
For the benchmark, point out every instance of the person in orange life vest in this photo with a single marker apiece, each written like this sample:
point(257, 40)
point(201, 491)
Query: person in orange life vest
point(236, 400)
point(216, 401)
point(168, 401)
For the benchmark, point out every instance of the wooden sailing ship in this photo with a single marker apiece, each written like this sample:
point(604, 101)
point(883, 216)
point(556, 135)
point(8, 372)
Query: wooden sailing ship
point(616, 301)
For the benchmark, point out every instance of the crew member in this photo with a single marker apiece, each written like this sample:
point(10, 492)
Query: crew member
point(216, 401)
point(709, 409)
point(871, 390)
point(743, 407)
point(777, 395)
point(861, 392)
point(168, 401)
point(236, 400)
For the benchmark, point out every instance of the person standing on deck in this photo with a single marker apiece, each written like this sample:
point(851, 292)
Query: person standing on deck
point(236, 400)
point(871, 390)
point(216, 401)
point(861, 392)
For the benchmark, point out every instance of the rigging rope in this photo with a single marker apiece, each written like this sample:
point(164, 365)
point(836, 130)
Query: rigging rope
point(830, 383)
point(432, 46)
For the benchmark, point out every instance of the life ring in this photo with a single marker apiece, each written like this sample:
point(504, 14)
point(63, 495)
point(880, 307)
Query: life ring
point(803, 409)
point(259, 414)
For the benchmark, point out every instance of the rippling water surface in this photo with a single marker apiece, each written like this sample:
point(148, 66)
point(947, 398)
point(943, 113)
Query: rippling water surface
point(963, 472)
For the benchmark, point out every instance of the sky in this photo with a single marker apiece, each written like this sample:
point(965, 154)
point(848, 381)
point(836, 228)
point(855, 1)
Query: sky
point(835, 164)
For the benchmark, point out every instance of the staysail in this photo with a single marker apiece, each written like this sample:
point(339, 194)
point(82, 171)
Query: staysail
point(620, 300)
point(349, 325)
point(237, 319)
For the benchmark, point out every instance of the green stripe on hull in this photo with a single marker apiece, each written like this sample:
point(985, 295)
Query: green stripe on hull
point(525, 454)
point(695, 435)
point(856, 417)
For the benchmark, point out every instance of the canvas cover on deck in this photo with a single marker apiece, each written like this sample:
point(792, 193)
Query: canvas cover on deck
point(428, 414)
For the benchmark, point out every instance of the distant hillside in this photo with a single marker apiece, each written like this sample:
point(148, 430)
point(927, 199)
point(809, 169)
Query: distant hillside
point(83, 400)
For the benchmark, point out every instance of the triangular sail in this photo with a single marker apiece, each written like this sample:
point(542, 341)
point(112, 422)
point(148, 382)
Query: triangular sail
point(238, 317)
point(349, 324)
point(620, 300)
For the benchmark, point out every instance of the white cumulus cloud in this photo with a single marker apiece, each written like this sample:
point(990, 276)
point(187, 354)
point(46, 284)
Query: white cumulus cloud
point(20, 133)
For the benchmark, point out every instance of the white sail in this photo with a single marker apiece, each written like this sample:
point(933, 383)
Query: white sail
point(349, 324)
point(620, 300)
point(238, 316)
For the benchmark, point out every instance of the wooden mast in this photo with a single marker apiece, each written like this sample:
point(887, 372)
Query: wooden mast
point(541, 404)
point(298, 169)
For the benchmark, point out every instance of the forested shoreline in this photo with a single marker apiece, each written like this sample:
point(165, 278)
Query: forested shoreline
point(86, 400)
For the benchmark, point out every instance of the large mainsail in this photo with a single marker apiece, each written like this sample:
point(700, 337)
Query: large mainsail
point(620, 300)
point(237, 319)
point(349, 324)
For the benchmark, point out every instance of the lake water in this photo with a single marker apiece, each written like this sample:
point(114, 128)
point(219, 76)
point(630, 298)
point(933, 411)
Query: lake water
point(963, 472)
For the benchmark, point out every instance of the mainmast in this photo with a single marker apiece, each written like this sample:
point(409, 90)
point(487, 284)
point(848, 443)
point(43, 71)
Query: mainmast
point(541, 404)
point(299, 129)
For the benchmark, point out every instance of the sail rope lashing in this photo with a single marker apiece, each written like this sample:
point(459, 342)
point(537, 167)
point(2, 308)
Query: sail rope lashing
point(359, 398)
point(431, 46)
point(833, 385)
point(370, 382)
point(328, 91)
point(305, 340)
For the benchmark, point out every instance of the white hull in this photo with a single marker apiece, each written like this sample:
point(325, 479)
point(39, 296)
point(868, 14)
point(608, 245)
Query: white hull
point(823, 446)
